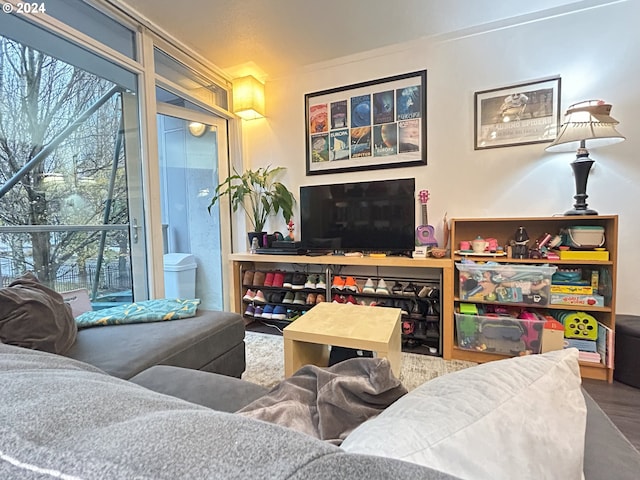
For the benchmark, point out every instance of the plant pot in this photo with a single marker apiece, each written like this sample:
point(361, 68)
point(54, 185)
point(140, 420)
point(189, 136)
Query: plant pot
point(258, 235)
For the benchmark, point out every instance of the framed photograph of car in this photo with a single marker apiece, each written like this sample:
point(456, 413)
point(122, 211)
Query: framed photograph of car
point(369, 125)
point(517, 115)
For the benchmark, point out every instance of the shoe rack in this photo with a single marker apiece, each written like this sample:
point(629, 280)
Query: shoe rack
point(413, 285)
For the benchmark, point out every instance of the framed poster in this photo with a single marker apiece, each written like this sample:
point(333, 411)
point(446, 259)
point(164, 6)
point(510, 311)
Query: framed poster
point(369, 125)
point(517, 115)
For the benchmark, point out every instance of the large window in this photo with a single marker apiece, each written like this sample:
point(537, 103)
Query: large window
point(64, 208)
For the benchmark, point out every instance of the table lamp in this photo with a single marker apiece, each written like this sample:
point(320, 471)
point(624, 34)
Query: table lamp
point(586, 124)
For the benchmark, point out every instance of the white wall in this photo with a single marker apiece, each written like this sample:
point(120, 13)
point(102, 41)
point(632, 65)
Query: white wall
point(596, 52)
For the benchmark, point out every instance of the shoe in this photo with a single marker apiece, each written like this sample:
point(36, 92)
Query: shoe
point(311, 299)
point(311, 281)
point(369, 286)
point(257, 312)
point(292, 314)
point(397, 288)
point(286, 282)
point(350, 284)
point(298, 281)
point(403, 305)
point(424, 291)
point(249, 295)
point(279, 313)
point(267, 312)
point(408, 327)
point(338, 282)
point(258, 279)
point(288, 297)
point(278, 280)
point(338, 299)
point(249, 312)
point(382, 289)
point(247, 278)
point(321, 283)
point(300, 299)
point(259, 297)
point(410, 289)
point(351, 300)
point(320, 298)
point(268, 279)
point(275, 297)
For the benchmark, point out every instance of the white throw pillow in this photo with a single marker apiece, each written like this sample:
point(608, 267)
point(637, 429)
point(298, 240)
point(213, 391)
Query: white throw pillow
point(523, 417)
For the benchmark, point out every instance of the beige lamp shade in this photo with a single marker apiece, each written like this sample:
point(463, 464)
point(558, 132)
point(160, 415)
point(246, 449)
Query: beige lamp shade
point(589, 122)
point(248, 98)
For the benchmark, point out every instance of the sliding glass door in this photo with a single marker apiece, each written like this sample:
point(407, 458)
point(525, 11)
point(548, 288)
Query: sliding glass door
point(192, 147)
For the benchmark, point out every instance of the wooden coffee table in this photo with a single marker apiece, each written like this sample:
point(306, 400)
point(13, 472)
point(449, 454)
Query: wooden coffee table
point(307, 339)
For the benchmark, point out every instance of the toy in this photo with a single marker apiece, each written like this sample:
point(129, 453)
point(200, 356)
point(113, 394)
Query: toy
point(290, 225)
point(521, 238)
point(580, 325)
point(532, 326)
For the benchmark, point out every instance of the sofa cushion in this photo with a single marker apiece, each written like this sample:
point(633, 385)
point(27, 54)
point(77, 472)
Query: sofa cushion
point(493, 421)
point(126, 350)
point(219, 392)
point(34, 316)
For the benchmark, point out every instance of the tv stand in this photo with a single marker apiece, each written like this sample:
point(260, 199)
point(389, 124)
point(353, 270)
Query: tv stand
point(436, 271)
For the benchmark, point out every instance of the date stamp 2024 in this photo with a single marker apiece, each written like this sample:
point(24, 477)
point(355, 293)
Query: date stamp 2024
point(26, 8)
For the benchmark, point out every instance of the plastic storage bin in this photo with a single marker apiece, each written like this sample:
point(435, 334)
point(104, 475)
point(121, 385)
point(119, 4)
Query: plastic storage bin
point(505, 283)
point(179, 275)
point(498, 334)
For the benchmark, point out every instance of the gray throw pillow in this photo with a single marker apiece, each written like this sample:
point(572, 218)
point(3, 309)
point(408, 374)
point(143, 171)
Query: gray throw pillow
point(36, 317)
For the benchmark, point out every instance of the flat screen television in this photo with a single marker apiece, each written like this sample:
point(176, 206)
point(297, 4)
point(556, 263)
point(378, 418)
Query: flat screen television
point(376, 216)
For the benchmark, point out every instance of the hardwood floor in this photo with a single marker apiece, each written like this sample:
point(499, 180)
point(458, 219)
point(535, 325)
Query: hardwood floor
point(621, 403)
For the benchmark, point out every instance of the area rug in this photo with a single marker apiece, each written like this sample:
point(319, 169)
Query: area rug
point(265, 363)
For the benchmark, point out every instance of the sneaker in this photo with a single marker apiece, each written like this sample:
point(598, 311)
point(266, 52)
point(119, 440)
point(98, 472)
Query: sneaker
point(424, 291)
point(268, 279)
point(288, 297)
point(249, 295)
point(410, 289)
point(382, 289)
point(320, 298)
point(403, 305)
point(408, 327)
point(288, 278)
point(338, 282)
point(311, 299)
point(257, 312)
point(267, 312)
point(250, 310)
point(311, 281)
point(298, 281)
point(339, 299)
point(300, 299)
point(276, 297)
point(247, 278)
point(278, 280)
point(397, 288)
point(350, 284)
point(369, 286)
point(321, 283)
point(351, 300)
point(258, 279)
point(279, 313)
point(259, 297)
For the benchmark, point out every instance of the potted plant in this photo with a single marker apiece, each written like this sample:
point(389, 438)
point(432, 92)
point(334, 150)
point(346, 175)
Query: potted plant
point(259, 194)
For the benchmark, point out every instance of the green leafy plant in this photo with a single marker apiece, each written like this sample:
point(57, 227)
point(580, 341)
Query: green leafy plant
point(258, 193)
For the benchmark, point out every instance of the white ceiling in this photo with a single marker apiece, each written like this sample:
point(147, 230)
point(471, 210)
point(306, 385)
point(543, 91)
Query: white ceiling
point(278, 36)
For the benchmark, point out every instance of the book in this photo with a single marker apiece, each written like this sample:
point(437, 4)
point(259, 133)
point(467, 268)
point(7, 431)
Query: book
point(599, 255)
point(605, 344)
point(589, 357)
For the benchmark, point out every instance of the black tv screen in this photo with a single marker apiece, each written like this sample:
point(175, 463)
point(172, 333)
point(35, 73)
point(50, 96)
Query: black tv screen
point(376, 216)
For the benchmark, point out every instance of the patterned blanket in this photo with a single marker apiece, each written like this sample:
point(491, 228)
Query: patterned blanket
point(140, 312)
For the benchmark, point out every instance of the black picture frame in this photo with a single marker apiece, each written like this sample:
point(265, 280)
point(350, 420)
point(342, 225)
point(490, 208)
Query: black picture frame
point(370, 125)
point(520, 114)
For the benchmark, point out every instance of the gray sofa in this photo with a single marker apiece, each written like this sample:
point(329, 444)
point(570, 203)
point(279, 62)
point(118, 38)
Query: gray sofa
point(210, 341)
point(66, 419)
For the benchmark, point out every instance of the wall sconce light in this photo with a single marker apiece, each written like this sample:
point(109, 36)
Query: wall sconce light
point(586, 124)
point(248, 98)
